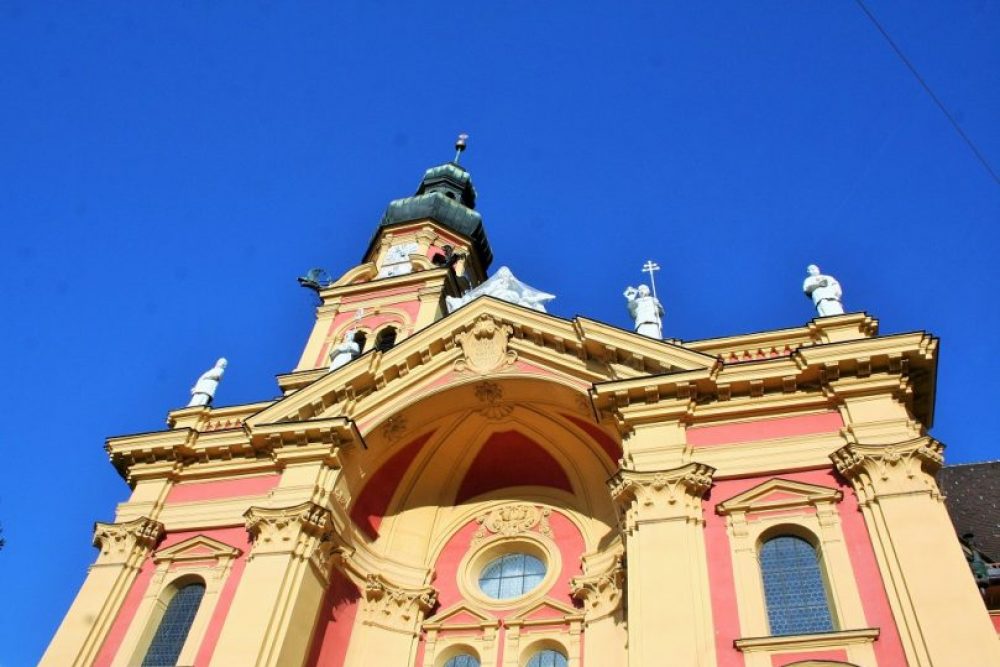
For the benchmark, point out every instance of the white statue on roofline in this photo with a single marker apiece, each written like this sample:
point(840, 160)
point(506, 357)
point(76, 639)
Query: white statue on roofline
point(824, 291)
point(646, 311)
point(203, 390)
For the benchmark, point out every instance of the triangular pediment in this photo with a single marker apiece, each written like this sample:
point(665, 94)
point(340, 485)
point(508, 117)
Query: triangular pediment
point(779, 494)
point(545, 610)
point(197, 548)
point(461, 615)
point(484, 339)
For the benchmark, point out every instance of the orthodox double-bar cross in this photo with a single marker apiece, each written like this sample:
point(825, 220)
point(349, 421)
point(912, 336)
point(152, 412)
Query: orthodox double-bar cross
point(649, 267)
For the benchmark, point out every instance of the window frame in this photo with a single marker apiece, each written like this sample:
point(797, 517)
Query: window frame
point(199, 557)
point(795, 532)
point(163, 605)
point(807, 511)
point(476, 560)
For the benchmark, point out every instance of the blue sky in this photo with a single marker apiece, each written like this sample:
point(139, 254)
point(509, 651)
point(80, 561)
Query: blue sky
point(168, 169)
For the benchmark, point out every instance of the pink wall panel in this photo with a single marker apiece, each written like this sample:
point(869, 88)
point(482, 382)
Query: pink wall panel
point(764, 429)
point(186, 492)
point(336, 622)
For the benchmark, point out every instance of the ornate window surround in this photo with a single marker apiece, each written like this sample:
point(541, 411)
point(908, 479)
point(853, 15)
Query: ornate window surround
point(446, 639)
point(197, 558)
point(780, 506)
point(484, 551)
point(526, 644)
point(454, 648)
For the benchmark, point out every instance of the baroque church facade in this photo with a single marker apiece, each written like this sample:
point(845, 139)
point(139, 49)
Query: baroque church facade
point(495, 486)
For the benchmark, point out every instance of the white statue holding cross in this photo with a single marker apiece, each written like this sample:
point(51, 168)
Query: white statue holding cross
point(644, 307)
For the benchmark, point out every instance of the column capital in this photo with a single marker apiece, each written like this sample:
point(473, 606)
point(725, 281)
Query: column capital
point(601, 590)
point(902, 468)
point(128, 542)
point(661, 495)
point(296, 529)
point(398, 608)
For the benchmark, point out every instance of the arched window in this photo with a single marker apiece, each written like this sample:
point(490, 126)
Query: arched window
point(462, 660)
point(386, 339)
point(360, 338)
point(548, 658)
point(793, 587)
point(173, 629)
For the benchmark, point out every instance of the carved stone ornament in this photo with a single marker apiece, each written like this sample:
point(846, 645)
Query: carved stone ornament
point(484, 346)
point(491, 395)
point(662, 494)
point(395, 607)
point(394, 427)
point(511, 520)
point(128, 542)
point(602, 592)
point(886, 470)
point(281, 529)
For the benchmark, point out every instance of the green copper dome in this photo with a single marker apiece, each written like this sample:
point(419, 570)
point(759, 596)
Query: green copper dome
point(445, 195)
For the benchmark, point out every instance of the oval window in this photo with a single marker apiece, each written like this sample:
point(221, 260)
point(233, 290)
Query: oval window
point(511, 576)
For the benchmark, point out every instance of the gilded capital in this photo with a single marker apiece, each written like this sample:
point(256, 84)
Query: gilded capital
point(126, 543)
point(393, 607)
point(879, 471)
point(297, 529)
point(661, 495)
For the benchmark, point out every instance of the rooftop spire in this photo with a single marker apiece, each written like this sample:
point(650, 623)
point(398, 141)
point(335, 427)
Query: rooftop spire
point(460, 146)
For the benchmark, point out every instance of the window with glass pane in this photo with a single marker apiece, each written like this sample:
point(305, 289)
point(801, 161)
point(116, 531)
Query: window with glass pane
point(511, 576)
point(174, 627)
point(548, 658)
point(793, 587)
point(463, 660)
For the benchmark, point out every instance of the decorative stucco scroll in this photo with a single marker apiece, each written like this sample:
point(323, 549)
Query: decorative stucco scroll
point(511, 520)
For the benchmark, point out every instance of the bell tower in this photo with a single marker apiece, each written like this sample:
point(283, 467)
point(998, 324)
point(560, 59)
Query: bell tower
point(426, 247)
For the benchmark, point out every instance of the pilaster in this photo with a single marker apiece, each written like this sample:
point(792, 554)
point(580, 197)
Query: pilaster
point(124, 547)
point(388, 627)
point(601, 589)
point(656, 437)
point(670, 617)
point(274, 611)
point(939, 613)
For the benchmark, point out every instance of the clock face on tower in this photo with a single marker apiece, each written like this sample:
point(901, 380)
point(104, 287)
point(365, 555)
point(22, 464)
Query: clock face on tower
point(397, 260)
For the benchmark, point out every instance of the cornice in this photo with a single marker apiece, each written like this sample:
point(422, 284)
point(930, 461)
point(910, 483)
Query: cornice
point(376, 286)
point(806, 642)
point(812, 378)
point(167, 453)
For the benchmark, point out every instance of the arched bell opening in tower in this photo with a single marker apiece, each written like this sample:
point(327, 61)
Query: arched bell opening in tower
point(385, 339)
point(360, 339)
